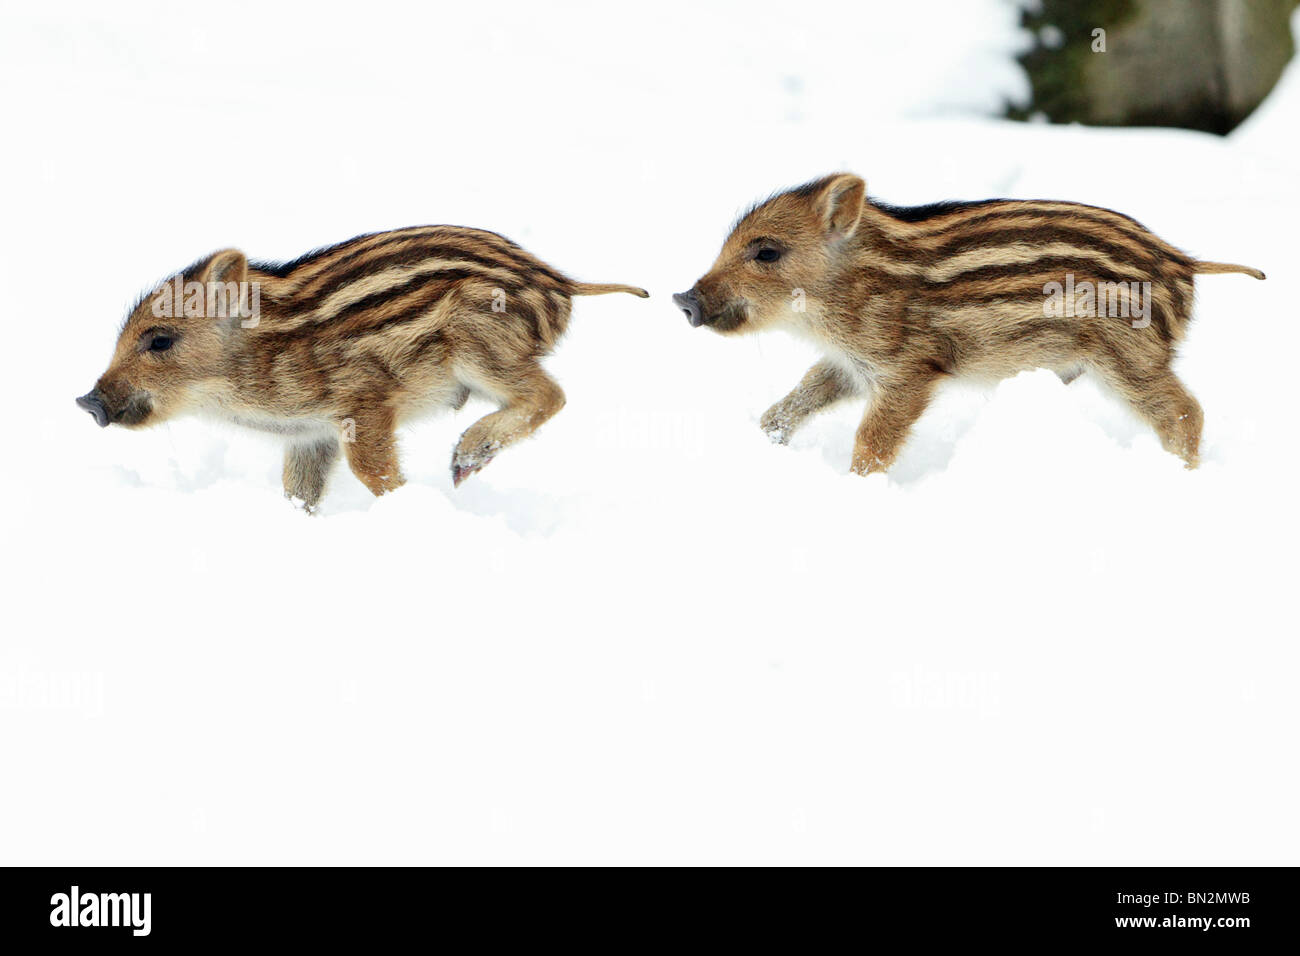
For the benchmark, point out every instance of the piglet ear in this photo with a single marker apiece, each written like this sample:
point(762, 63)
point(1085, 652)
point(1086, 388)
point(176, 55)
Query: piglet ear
point(226, 292)
point(840, 204)
point(228, 265)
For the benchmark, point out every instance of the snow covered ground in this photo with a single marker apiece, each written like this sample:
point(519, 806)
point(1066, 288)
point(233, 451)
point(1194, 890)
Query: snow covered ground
point(647, 635)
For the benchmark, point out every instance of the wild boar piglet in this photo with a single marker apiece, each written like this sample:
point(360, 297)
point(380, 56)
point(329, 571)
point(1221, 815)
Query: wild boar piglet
point(336, 349)
point(899, 299)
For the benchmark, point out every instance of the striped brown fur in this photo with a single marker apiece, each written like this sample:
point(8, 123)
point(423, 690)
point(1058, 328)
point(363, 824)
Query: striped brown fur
point(350, 342)
point(899, 299)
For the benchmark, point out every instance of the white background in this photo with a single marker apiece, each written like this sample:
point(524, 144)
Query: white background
point(646, 635)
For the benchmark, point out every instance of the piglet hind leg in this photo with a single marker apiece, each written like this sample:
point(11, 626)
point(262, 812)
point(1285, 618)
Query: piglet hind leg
point(1158, 396)
point(1178, 419)
point(530, 397)
point(307, 466)
point(371, 448)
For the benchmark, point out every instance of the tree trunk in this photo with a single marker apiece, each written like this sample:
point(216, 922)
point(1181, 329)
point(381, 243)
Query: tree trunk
point(1199, 64)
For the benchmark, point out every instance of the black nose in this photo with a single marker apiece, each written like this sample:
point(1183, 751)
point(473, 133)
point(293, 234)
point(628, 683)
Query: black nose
point(689, 303)
point(92, 403)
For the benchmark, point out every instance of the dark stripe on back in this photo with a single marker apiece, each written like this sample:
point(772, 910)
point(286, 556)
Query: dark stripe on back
point(932, 210)
point(441, 277)
point(1126, 225)
point(1145, 261)
point(283, 270)
point(515, 254)
point(1082, 267)
point(332, 281)
point(351, 323)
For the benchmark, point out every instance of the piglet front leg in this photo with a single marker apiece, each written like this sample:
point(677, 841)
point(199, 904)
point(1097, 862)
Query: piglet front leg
point(307, 467)
point(896, 404)
point(823, 385)
point(371, 448)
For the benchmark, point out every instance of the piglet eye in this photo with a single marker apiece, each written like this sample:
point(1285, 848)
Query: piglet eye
point(160, 343)
point(767, 254)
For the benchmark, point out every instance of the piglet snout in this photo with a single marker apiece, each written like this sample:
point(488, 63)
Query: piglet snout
point(92, 403)
point(689, 303)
